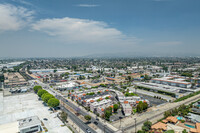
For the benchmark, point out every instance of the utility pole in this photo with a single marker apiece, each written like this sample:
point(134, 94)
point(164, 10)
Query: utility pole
point(135, 125)
point(120, 118)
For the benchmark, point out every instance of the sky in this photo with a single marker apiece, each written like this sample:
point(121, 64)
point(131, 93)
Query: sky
point(73, 28)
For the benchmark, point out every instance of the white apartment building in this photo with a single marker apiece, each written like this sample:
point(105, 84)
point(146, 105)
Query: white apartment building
point(102, 104)
point(127, 109)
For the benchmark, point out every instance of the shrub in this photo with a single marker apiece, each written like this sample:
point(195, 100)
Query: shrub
point(182, 121)
point(87, 117)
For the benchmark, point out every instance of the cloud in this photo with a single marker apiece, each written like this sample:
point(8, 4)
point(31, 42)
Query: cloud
point(171, 43)
point(23, 2)
point(14, 18)
point(86, 5)
point(83, 31)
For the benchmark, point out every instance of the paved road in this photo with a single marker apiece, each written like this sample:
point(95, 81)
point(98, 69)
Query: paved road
point(187, 101)
point(73, 117)
point(99, 125)
point(77, 121)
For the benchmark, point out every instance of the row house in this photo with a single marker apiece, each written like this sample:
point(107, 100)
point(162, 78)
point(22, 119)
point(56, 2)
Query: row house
point(86, 102)
point(101, 110)
point(102, 104)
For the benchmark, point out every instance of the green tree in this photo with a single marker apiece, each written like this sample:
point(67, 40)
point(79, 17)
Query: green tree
point(184, 131)
point(141, 106)
point(41, 92)
point(115, 107)
point(107, 98)
point(2, 78)
point(129, 78)
point(140, 131)
point(46, 97)
point(108, 113)
point(63, 116)
point(146, 126)
point(36, 88)
point(53, 102)
point(87, 117)
point(167, 113)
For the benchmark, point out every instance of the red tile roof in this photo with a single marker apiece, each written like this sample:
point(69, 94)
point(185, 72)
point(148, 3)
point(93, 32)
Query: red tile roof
point(126, 102)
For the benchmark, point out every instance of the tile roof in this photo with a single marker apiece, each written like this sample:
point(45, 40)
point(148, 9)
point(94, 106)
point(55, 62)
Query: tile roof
point(159, 125)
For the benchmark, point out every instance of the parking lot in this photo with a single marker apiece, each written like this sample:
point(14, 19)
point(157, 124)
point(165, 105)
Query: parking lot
point(153, 101)
point(26, 105)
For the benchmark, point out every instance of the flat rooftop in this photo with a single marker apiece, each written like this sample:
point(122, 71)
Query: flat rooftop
point(29, 121)
point(25, 105)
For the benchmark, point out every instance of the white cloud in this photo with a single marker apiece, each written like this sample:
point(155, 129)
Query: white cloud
point(23, 2)
point(171, 43)
point(87, 5)
point(83, 31)
point(14, 18)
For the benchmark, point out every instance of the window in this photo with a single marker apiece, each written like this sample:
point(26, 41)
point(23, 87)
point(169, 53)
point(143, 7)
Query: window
point(34, 127)
point(33, 131)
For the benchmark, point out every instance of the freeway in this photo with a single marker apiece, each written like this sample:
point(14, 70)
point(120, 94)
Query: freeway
point(99, 125)
point(172, 106)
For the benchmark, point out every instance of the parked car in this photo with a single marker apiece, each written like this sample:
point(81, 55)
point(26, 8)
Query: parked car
point(88, 130)
point(96, 123)
point(45, 119)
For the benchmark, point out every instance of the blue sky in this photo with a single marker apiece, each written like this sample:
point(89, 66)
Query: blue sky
point(66, 28)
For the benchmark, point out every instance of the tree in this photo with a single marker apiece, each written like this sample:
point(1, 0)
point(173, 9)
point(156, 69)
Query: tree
point(63, 116)
point(129, 78)
point(107, 98)
point(36, 88)
point(184, 131)
point(46, 97)
point(146, 126)
point(41, 92)
point(140, 131)
point(53, 102)
point(87, 117)
point(167, 113)
point(115, 107)
point(108, 113)
point(2, 78)
point(141, 106)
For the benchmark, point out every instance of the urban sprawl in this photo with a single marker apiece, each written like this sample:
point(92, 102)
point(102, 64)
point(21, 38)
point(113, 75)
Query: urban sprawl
point(96, 95)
